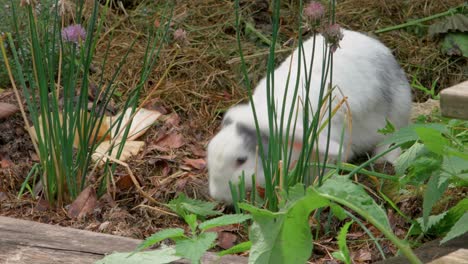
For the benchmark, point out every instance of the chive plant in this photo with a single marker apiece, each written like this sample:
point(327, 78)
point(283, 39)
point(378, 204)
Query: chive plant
point(283, 121)
point(56, 81)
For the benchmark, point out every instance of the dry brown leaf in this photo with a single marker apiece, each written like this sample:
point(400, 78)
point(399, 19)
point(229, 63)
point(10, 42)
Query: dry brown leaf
point(84, 203)
point(142, 120)
point(124, 182)
point(226, 239)
point(170, 141)
point(198, 164)
point(5, 163)
point(42, 205)
point(7, 110)
point(131, 148)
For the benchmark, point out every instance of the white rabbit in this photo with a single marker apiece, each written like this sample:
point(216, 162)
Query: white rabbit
point(364, 70)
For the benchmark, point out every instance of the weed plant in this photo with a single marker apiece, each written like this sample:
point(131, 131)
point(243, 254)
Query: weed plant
point(51, 61)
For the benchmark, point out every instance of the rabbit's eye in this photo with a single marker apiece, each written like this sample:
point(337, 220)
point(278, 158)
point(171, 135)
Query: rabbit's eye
point(241, 160)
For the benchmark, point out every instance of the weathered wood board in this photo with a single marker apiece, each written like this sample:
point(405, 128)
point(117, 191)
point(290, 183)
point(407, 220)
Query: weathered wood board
point(27, 242)
point(432, 252)
point(454, 101)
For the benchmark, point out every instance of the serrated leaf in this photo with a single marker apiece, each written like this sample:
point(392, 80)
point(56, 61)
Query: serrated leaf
point(452, 216)
point(345, 192)
point(422, 168)
point(283, 237)
point(191, 220)
point(454, 164)
point(431, 221)
point(160, 256)
point(224, 220)
point(455, 44)
point(183, 205)
point(388, 129)
point(434, 190)
point(460, 228)
point(160, 236)
point(239, 248)
point(343, 254)
point(194, 248)
point(408, 134)
point(408, 157)
point(454, 23)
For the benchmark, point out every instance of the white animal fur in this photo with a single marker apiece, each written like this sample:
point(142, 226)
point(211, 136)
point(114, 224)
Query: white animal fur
point(366, 73)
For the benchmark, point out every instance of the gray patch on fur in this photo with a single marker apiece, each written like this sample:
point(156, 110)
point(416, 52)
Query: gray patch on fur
point(226, 122)
point(250, 138)
point(391, 75)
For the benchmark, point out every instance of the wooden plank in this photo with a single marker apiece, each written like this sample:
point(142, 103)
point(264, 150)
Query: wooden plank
point(454, 101)
point(458, 257)
point(28, 242)
point(433, 250)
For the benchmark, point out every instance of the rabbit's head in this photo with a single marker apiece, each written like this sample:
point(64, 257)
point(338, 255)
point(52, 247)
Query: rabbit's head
point(233, 152)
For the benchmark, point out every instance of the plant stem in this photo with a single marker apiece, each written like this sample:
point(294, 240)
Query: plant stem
point(417, 21)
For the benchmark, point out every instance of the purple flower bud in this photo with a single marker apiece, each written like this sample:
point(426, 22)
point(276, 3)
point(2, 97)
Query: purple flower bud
point(180, 35)
point(74, 33)
point(314, 11)
point(333, 35)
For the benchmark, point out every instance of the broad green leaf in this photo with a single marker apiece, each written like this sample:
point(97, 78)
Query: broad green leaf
point(224, 220)
point(408, 157)
point(283, 237)
point(422, 168)
point(460, 228)
point(432, 139)
point(343, 254)
point(455, 44)
point(160, 236)
point(454, 164)
point(455, 22)
point(183, 205)
point(239, 248)
point(408, 134)
point(194, 248)
point(434, 190)
point(159, 256)
point(345, 192)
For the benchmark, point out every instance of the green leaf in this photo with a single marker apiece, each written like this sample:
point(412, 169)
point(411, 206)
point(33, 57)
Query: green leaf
point(408, 157)
point(224, 220)
point(422, 168)
point(194, 248)
point(160, 256)
point(453, 23)
point(432, 139)
point(455, 44)
point(283, 237)
point(454, 164)
point(343, 254)
point(183, 205)
point(452, 216)
point(388, 129)
point(345, 192)
point(239, 248)
point(460, 228)
point(432, 221)
point(434, 190)
point(160, 236)
point(191, 220)
point(408, 134)
point(338, 211)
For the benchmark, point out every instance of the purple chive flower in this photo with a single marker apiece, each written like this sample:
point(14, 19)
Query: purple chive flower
point(74, 33)
point(180, 35)
point(314, 11)
point(333, 35)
